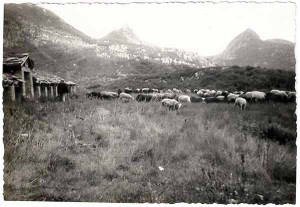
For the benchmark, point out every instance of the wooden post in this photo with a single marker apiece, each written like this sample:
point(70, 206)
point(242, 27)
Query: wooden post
point(31, 84)
point(52, 91)
point(39, 91)
point(56, 91)
point(46, 91)
point(64, 97)
point(24, 89)
point(12, 92)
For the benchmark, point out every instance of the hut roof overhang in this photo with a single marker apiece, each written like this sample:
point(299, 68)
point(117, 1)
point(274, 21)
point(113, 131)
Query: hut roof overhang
point(13, 61)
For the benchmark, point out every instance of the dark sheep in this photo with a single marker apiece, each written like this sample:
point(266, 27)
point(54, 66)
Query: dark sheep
point(276, 98)
point(93, 94)
point(144, 97)
point(212, 100)
point(128, 90)
point(196, 99)
point(108, 95)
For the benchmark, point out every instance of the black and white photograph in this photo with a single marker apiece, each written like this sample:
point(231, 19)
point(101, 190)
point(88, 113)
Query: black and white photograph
point(149, 102)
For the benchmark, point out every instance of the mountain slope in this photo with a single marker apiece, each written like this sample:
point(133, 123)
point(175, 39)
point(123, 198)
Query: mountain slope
point(248, 49)
point(60, 49)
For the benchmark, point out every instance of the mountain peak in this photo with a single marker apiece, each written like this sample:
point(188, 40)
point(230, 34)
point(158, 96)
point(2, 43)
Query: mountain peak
point(248, 49)
point(123, 35)
point(250, 33)
point(247, 37)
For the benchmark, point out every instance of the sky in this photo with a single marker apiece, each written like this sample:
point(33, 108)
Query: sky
point(205, 28)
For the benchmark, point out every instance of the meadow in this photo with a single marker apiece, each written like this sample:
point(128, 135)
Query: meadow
point(109, 151)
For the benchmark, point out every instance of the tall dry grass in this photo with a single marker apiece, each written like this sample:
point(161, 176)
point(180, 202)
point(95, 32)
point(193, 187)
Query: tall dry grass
point(109, 151)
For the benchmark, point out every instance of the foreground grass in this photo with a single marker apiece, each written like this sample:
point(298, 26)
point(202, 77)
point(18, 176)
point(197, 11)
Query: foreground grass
point(108, 151)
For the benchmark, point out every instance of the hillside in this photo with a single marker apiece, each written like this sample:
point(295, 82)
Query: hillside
point(59, 48)
point(220, 78)
point(248, 49)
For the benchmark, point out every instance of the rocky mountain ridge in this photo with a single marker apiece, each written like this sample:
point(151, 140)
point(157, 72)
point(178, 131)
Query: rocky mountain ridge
point(60, 49)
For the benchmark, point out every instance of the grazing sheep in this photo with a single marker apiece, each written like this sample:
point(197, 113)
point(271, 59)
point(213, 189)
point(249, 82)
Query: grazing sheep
point(137, 90)
point(144, 97)
point(196, 99)
point(211, 93)
point(225, 93)
point(169, 95)
point(125, 96)
point(221, 98)
point(145, 90)
point(175, 90)
point(277, 95)
point(188, 91)
point(218, 93)
point(238, 92)
point(128, 90)
point(291, 96)
point(200, 93)
point(205, 94)
point(241, 102)
point(169, 91)
point(92, 94)
point(184, 99)
point(172, 104)
point(195, 90)
point(212, 100)
point(108, 95)
point(247, 96)
point(155, 90)
point(231, 97)
point(159, 96)
point(258, 96)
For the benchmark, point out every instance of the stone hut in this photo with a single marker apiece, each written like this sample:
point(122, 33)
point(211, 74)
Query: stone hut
point(71, 86)
point(18, 68)
point(12, 87)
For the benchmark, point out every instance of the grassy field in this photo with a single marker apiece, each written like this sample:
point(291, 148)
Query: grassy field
point(109, 151)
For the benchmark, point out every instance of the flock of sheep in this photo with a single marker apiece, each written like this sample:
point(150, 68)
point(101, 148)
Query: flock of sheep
point(173, 99)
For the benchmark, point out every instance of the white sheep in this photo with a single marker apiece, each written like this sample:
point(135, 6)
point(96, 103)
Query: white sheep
point(241, 102)
point(184, 99)
point(145, 90)
point(231, 97)
point(258, 96)
point(221, 98)
point(172, 104)
point(199, 93)
point(218, 93)
point(125, 96)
